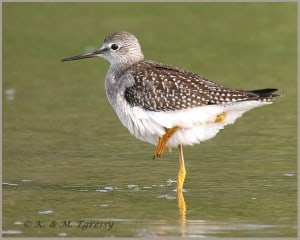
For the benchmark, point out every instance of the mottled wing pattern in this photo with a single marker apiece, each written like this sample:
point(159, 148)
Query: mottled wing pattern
point(160, 87)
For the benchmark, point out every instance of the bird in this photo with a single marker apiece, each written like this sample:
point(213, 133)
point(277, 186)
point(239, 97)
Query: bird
point(165, 105)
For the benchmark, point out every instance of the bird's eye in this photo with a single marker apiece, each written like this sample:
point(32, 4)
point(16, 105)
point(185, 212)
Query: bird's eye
point(114, 46)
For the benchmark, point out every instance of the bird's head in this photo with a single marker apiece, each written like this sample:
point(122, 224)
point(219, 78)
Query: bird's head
point(119, 48)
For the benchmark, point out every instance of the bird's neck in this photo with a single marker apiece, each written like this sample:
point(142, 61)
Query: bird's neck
point(116, 80)
point(114, 84)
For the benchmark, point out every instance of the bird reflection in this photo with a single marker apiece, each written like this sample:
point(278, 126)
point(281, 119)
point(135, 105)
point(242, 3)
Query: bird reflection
point(182, 208)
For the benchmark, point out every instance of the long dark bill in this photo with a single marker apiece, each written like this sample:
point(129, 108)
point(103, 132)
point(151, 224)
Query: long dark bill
point(83, 56)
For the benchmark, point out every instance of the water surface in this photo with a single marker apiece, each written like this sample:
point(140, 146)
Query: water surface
point(71, 170)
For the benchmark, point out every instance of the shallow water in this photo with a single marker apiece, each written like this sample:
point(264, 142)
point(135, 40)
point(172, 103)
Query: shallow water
point(103, 182)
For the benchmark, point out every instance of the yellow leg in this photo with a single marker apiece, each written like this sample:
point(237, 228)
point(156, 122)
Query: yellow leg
point(162, 141)
point(180, 181)
point(181, 172)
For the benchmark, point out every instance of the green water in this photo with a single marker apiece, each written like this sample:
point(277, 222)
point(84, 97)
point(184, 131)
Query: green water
point(70, 168)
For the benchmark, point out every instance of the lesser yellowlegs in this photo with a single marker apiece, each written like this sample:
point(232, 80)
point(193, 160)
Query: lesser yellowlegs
point(166, 105)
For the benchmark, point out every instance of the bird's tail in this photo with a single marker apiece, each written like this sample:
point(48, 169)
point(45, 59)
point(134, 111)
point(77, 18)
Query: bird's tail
point(266, 94)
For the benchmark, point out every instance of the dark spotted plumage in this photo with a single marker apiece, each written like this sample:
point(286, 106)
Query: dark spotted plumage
point(159, 87)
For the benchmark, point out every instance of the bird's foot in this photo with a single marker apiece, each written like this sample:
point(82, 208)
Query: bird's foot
point(162, 141)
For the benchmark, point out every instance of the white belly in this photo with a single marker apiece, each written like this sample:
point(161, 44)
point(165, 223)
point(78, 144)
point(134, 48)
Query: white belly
point(195, 124)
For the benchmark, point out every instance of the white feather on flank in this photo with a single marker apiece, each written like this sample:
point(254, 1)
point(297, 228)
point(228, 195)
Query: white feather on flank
point(196, 124)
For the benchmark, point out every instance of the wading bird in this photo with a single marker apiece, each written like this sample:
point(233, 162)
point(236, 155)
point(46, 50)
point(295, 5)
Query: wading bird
point(165, 105)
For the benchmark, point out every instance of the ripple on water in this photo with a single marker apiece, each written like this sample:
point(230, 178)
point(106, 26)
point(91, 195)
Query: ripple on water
point(288, 174)
point(11, 232)
point(18, 222)
point(45, 212)
point(62, 234)
point(133, 187)
point(136, 187)
point(166, 196)
point(9, 184)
